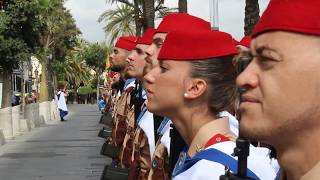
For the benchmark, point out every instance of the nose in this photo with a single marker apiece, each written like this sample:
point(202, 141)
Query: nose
point(149, 78)
point(111, 57)
point(129, 58)
point(149, 50)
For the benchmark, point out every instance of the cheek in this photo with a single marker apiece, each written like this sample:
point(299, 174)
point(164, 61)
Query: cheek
point(169, 87)
point(141, 63)
point(289, 96)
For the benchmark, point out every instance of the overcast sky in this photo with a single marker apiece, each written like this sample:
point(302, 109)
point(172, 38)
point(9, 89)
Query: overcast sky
point(231, 15)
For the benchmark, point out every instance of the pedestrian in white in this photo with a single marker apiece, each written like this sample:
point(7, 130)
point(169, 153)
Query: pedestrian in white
point(62, 106)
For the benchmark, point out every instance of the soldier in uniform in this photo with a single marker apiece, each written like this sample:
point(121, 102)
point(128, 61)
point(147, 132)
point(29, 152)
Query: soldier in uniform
point(121, 107)
point(160, 160)
point(280, 87)
point(193, 85)
point(138, 143)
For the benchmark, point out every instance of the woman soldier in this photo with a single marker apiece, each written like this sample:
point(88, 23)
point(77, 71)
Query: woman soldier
point(193, 84)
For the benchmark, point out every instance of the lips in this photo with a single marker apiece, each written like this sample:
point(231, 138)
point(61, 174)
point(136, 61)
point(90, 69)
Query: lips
point(248, 99)
point(129, 67)
point(149, 92)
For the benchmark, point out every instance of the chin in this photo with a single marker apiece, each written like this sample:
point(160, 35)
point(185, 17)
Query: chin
point(255, 131)
point(155, 110)
point(130, 74)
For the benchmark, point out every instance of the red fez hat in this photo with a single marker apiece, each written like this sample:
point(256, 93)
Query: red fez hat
point(245, 41)
point(290, 15)
point(181, 21)
point(196, 45)
point(236, 43)
point(147, 37)
point(126, 42)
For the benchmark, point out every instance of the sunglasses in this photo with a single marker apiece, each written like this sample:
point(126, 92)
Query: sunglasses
point(242, 63)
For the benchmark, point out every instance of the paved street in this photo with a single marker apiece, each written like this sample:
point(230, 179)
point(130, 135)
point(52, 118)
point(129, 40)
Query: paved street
point(57, 151)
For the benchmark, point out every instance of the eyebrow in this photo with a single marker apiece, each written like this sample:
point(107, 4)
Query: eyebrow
point(259, 50)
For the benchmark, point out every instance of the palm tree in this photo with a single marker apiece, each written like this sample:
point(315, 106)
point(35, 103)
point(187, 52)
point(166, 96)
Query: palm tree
point(56, 40)
point(149, 13)
point(74, 70)
point(119, 21)
point(251, 16)
point(183, 6)
point(139, 13)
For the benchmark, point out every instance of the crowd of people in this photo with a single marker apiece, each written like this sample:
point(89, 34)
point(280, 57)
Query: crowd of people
point(179, 93)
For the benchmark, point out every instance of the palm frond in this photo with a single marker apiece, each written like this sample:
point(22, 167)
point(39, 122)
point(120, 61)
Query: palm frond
point(118, 22)
point(126, 2)
point(164, 11)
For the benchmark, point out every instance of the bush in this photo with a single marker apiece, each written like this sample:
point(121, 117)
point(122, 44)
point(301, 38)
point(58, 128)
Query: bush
point(85, 90)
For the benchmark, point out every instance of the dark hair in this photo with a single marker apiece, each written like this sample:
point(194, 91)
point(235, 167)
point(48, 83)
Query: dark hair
point(220, 75)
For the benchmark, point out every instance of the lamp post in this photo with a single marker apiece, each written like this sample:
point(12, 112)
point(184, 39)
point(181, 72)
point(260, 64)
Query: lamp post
point(214, 14)
point(37, 80)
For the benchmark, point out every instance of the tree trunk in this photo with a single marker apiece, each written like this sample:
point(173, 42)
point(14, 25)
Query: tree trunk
point(6, 91)
point(44, 86)
point(50, 80)
point(54, 84)
point(251, 16)
point(75, 88)
point(183, 6)
point(137, 19)
point(148, 13)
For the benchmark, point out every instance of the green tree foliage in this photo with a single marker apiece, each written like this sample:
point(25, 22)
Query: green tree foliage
point(20, 24)
point(19, 30)
point(95, 56)
point(85, 90)
point(57, 39)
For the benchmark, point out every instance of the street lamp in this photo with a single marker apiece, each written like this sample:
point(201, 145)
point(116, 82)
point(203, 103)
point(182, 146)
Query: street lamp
point(214, 14)
point(37, 80)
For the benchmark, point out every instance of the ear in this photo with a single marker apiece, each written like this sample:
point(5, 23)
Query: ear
point(195, 88)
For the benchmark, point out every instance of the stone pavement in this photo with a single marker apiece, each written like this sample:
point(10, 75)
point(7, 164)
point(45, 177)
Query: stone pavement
point(57, 151)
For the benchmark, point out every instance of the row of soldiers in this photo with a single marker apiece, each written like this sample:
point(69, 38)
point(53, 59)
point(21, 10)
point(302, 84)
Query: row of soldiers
point(173, 114)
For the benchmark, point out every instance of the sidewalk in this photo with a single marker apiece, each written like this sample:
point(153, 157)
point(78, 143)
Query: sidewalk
point(57, 151)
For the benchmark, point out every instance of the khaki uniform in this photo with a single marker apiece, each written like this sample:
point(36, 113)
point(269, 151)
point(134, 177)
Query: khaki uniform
point(121, 110)
point(141, 163)
point(160, 160)
point(160, 163)
point(127, 146)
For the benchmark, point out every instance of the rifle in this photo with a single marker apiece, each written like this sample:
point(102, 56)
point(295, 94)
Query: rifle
point(242, 151)
point(242, 144)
